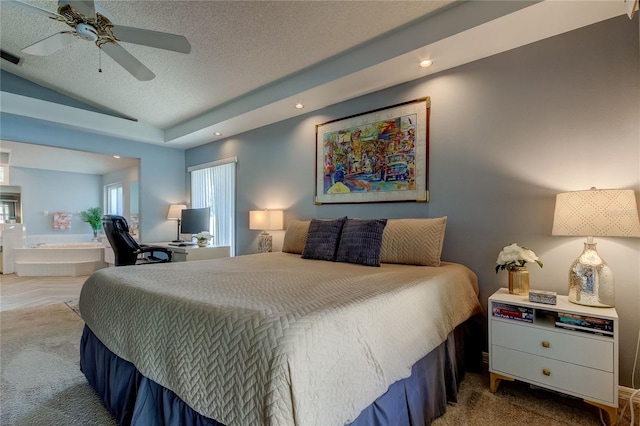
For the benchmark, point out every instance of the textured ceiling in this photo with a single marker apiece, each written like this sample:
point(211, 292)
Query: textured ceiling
point(252, 60)
point(237, 46)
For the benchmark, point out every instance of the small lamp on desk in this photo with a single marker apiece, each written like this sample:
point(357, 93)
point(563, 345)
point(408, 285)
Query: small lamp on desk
point(175, 213)
point(596, 212)
point(265, 220)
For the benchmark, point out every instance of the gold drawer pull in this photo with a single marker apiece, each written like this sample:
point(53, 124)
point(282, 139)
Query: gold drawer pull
point(545, 344)
point(546, 371)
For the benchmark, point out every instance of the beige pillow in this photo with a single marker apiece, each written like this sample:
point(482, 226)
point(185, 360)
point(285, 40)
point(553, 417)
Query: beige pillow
point(413, 241)
point(296, 236)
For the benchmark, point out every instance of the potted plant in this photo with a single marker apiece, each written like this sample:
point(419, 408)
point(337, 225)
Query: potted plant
point(203, 238)
point(93, 216)
point(514, 258)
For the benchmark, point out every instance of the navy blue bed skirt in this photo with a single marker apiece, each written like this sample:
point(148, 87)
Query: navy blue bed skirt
point(417, 400)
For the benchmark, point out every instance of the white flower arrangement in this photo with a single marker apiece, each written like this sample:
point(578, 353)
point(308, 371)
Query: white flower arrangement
point(513, 255)
point(204, 237)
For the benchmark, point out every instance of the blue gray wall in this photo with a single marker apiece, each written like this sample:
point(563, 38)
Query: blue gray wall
point(52, 191)
point(508, 133)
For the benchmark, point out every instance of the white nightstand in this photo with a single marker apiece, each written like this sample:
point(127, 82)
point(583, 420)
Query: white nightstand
point(535, 350)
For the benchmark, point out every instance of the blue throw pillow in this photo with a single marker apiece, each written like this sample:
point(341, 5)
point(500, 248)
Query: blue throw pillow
point(360, 241)
point(322, 239)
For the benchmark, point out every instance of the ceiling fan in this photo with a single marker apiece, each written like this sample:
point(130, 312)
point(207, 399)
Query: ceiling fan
point(93, 23)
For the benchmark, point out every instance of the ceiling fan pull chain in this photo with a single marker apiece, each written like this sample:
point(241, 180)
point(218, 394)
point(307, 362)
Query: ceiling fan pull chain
point(99, 60)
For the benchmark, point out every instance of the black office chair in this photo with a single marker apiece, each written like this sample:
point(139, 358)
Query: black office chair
point(126, 249)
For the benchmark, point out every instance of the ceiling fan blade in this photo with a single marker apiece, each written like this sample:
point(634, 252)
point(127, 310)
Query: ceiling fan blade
point(83, 7)
point(34, 8)
point(176, 43)
point(51, 44)
point(127, 61)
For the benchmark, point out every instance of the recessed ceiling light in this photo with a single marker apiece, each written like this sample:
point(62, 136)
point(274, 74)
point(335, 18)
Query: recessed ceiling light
point(218, 134)
point(299, 105)
point(116, 156)
point(426, 63)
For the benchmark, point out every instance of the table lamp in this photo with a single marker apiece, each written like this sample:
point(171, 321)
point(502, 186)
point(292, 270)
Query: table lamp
point(601, 213)
point(265, 220)
point(175, 213)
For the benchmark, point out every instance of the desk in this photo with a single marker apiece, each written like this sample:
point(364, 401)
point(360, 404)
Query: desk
point(187, 253)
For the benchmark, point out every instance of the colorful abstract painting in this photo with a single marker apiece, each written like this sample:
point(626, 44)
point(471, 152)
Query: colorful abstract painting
point(376, 156)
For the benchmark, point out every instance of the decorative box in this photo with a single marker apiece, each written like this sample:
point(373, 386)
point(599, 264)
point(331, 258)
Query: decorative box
point(541, 296)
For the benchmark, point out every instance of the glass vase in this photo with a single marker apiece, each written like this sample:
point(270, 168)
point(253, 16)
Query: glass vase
point(519, 280)
point(591, 280)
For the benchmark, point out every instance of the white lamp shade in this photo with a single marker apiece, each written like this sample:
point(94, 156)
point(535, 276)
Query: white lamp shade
point(175, 211)
point(266, 220)
point(597, 212)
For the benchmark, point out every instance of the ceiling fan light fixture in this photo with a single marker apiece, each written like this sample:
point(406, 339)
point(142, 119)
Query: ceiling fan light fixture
point(87, 32)
point(92, 23)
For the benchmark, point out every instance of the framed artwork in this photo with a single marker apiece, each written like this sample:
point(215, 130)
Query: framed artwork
point(377, 156)
point(62, 221)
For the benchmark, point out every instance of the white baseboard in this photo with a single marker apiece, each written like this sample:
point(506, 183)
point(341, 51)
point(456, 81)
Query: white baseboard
point(623, 391)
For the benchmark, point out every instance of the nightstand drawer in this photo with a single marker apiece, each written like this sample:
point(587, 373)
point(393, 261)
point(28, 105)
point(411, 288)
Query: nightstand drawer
point(581, 381)
point(575, 348)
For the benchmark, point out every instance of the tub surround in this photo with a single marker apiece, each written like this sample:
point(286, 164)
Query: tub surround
point(12, 235)
point(36, 239)
point(59, 259)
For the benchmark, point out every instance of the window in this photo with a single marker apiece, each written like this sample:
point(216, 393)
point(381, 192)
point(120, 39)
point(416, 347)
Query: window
point(213, 185)
point(113, 195)
point(7, 211)
point(4, 174)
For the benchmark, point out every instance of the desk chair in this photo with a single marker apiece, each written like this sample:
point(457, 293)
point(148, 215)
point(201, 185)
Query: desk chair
point(126, 249)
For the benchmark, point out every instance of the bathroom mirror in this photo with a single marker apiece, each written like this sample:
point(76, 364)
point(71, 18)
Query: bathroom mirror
point(10, 204)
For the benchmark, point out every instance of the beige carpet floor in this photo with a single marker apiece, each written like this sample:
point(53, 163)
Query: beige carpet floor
point(518, 403)
point(41, 382)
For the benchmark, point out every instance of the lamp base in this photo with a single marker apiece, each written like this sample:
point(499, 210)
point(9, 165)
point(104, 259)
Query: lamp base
point(591, 280)
point(265, 243)
point(178, 240)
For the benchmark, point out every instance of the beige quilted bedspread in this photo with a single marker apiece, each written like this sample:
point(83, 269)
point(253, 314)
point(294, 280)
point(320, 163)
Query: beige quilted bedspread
point(273, 339)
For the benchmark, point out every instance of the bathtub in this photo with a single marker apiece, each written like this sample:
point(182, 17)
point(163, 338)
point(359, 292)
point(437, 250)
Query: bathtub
point(59, 259)
point(43, 246)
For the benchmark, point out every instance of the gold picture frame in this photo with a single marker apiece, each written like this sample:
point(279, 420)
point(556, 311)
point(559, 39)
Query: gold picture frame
point(377, 156)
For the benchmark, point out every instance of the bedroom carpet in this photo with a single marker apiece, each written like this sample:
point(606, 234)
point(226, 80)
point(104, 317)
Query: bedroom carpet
point(39, 362)
point(42, 383)
point(518, 403)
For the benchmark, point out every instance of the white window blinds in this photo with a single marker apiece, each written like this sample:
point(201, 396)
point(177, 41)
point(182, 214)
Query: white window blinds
point(215, 187)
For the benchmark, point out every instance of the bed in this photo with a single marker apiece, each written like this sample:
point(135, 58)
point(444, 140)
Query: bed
point(282, 338)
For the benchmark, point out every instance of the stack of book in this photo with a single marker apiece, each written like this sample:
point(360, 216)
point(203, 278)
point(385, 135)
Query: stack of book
point(585, 323)
point(513, 312)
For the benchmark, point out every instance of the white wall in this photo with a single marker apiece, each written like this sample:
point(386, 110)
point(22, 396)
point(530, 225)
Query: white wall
point(508, 133)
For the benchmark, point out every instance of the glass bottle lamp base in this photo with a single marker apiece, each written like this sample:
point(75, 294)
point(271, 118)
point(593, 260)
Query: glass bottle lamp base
point(591, 280)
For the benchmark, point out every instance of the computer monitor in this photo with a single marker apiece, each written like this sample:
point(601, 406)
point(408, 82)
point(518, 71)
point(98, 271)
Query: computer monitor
point(195, 221)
